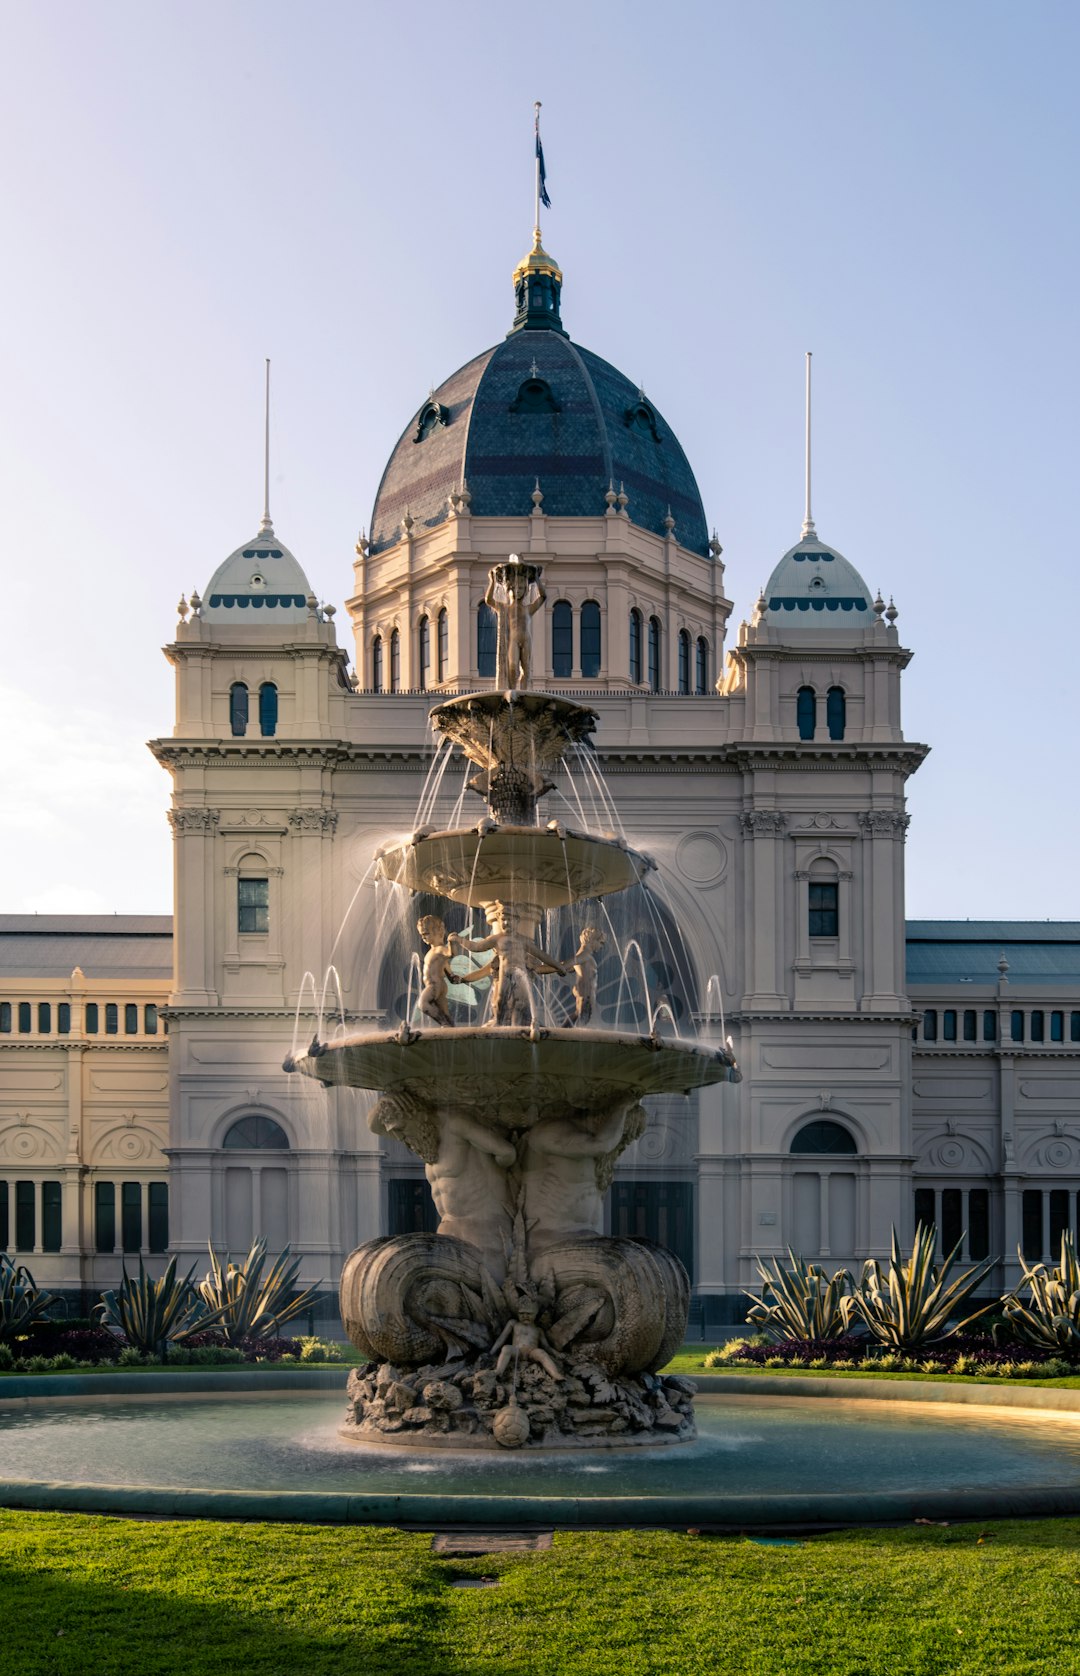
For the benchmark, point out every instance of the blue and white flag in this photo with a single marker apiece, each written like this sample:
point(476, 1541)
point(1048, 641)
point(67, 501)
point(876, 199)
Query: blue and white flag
point(541, 172)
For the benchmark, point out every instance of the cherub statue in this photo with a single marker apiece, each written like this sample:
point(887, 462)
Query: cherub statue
point(441, 951)
point(508, 591)
point(592, 940)
point(515, 957)
point(523, 1340)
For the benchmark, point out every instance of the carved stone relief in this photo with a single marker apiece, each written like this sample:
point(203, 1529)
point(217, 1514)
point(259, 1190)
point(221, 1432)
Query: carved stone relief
point(194, 820)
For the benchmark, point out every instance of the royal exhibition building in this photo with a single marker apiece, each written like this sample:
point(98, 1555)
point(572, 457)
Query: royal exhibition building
point(891, 1070)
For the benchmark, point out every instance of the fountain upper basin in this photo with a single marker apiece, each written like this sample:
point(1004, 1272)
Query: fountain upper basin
point(493, 1074)
point(544, 868)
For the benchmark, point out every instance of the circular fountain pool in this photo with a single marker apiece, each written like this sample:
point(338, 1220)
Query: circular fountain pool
point(758, 1460)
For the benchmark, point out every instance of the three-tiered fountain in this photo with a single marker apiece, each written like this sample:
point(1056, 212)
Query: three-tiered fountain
point(517, 1324)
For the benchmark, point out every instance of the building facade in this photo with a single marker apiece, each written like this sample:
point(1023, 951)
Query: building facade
point(767, 778)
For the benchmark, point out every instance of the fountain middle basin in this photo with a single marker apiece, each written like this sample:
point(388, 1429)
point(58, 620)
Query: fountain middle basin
point(759, 1460)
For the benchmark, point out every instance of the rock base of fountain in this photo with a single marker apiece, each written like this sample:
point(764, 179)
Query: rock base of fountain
point(467, 1405)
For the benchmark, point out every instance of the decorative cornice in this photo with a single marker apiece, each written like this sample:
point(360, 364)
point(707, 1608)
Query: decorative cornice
point(762, 823)
point(888, 823)
point(313, 820)
point(194, 820)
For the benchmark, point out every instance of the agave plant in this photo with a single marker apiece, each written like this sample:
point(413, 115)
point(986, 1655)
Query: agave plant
point(248, 1303)
point(22, 1303)
point(1052, 1318)
point(153, 1314)
point(913, 1303)
point(801, 1301)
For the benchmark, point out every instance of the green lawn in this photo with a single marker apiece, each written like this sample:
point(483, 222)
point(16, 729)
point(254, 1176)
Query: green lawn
point(82, 1596)
point(690, 1359)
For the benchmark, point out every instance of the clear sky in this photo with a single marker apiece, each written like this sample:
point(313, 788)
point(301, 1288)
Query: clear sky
point(188, 188)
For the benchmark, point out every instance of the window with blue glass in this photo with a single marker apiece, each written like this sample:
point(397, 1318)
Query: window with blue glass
point(5, 1017)
point(929, 1025)
point(63, 1018)
point(112, 1019)
point(806, 712)
point(444, 643)
point(590, 639)
point(654, 654)
point(562, 640)
point(395, 662)
point(948, 1029)
point(268, 709)
point(253, 903)
point(1017, 1026)
point(90, 1018)
point(44, 1018)
point(1038, 1026)
point(376, 664)
point(238, 709)
point(425, 653)
point(684, 661)
point(989, 1026)
point(836, 712)
point(1057, 1027)
point(971, 1020)
point(25, 1018)
point(635, 646)
point(702, 672)
point(486, 635)
point(824, 908)
point(131, 1019)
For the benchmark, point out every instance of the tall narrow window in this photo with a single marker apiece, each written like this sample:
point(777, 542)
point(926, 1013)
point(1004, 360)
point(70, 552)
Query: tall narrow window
point(562, 640)
point(952, 1218)
point(44, 1018)
point(1038, 1026)
point(5, 1224)
point(238, 709)
point(104, 1216)
point(131, 1019)
point(25, 1018)
point(929, 1025)
point(376, 664)
point(424, 638)
point(978, 1224)
point(268, 709)
point(131, 1216)
point(971, 1020)
point(150, 1019)
point(157, 1206)
point(836, 712)
point(486, 635)
point(25, 1218)
point(948, 1030)
point(635, 646)
point(5, 1017)
point(1017, 1026)
point(51, 1216)
point(989, 1026)
point(1074, 1027)
point(590, 639)
point(253, 902)
point(444, 643)
point(654, 654)
point(806, 712)
point(1057, 1027)
point(684, 661)
point(112, 1019)
point(90, 1018)
point(395, 661)
point(824, 909)
point(701, 680)
point(63, 1018)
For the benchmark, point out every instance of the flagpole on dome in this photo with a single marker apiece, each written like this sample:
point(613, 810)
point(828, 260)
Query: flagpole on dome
point(541, 172)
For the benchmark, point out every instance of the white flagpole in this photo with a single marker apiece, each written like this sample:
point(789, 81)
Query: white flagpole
point(808, 529)
point(536, 148)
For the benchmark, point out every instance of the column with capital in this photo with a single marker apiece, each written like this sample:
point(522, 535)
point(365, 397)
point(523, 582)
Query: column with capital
point(194, 833)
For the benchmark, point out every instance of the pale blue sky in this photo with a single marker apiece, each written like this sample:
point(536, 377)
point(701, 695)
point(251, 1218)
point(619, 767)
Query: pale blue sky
point(188, 188)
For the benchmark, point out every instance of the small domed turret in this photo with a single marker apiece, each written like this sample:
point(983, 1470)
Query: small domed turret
point(814, 585)
point(260, 583)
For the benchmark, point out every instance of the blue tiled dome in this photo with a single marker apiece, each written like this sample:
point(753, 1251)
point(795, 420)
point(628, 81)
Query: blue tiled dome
point(538, 407)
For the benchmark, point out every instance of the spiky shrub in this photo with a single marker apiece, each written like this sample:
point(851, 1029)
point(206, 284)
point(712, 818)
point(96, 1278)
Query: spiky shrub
point(1051, 1317)
point(915, 1303)
point(248, 1302)
point(152, 1314)
point(801, 1301)
point(22, 1303)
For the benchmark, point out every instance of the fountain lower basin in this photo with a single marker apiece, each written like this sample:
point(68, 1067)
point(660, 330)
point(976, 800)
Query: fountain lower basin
point(758, 1460)
point(491, 1071)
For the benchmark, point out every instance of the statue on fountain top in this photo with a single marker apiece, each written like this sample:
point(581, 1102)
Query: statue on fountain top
point(510, 595)
point(435, 995)
point(514, 958)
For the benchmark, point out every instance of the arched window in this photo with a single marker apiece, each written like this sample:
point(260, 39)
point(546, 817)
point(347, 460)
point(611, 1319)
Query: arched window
point(702, 681)
point(684, 661)
point(562, 640)
point(590, 639)
point(395, 661)
point(425, 652)
point(376, 663)
point(486, 633)
point(255, 1133)
point(654, 654)
point(238, 709)
point(444, 643)
point(823, 895)
point(252, 897)
point(635, 646)
point(836, 712)
point(806, 712)
point(822, 1135)
point(268, 709)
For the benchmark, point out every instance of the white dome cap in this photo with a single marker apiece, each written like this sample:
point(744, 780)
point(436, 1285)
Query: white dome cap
point(260, 584)
point(815, 586)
